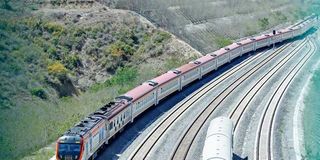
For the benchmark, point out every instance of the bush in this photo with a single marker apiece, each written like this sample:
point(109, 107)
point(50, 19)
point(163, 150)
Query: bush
point(6, 5)
point(123, 79)
point(222, 41)
point(53, 54)
point(72, 61)
point(161, 37)
point(280, 16)
point(124, 76)
point(57, 69)
point(54, 28)
point(119, 49)
point(263, 23)
point(39, 92)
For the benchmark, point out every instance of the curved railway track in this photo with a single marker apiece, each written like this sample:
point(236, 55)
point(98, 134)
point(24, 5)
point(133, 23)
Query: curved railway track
point(241, 107)
point(264, 138)
point(187, 140)
point(143, 149)
point(237, 113)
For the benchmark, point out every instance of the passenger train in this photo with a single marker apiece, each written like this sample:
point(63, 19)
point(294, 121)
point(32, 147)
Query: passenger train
point(83, 140)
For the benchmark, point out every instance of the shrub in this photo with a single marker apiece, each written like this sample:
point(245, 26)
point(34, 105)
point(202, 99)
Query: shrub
point(57, 68)
point(222, 41)
point(124, 78)
point(124, 75)
point(72, 61)
point(54, 28)
point(280, 16)
point(161, 37)
point(119, 49)
point(173, 62)
point(53, 54)
point(6, 5)
point(263, 23)
point(39, 92)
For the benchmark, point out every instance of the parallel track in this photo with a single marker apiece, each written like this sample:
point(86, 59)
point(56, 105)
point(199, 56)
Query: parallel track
point(146, 146)
point(183, 147)
point(266, 123)
point(240, 108)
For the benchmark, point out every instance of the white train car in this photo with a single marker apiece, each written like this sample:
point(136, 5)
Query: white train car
point(143, 97)
point(208, 64)
point(222, 56)
point(296, 31)
point(247, 45)
point(167, 84)
point(287, 34)
point(219, 140)
point(276, 37)
point(263, 40)
point(234, 50)
point(189, 73)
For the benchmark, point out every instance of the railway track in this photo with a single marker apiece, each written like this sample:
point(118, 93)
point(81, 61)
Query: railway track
point(238, 111)
point(143, 149)
point(242, 105)
point(263, 143)
point(184, 145)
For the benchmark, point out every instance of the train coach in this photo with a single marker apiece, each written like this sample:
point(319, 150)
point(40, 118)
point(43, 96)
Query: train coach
point(84, 140)
point(219, 140)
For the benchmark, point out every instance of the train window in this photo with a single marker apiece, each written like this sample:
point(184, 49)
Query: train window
point(110, 125)
point(87, 148)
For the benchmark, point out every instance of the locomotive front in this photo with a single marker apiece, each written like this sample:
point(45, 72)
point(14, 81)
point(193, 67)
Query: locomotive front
point(69, 147)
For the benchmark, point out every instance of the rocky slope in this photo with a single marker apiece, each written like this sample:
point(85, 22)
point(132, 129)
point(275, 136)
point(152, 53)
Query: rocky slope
point(210, 24)
point(61, 61)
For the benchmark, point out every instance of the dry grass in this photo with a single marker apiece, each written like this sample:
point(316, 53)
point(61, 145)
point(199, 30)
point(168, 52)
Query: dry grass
point(203, 22)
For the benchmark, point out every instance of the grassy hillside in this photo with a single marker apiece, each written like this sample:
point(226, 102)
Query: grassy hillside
point(210, 24)
point(61, 62)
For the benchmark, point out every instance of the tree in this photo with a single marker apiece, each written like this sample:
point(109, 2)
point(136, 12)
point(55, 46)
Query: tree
point(6, 5)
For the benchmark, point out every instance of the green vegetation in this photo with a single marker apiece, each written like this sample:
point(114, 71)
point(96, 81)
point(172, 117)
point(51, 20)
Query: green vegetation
point(124, 79)
point(160, 37)
point(263, 23)
point(39, 92)
point(43, 154)
point(222, 41)
point(6, 5)
point(280, 17)
point(57, 68)
point(40, 59)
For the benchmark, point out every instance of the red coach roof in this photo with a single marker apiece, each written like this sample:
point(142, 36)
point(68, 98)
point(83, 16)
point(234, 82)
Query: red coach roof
point(220, 52)
point(246, 41)
point(120, 106)
point(262, 37)
point(187, 67)
point(233, 46)
point(205, 59)
point(285, 30)
point(139, 91)
point(164, 78)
